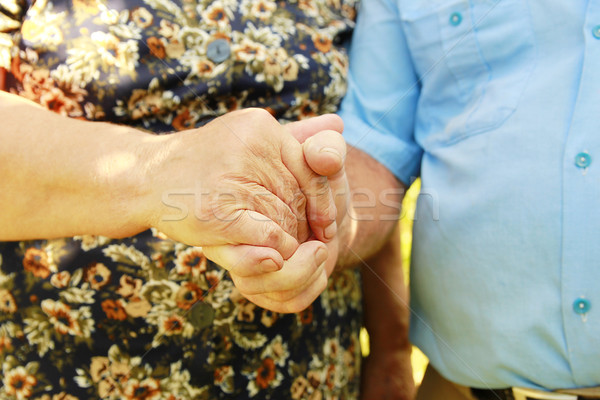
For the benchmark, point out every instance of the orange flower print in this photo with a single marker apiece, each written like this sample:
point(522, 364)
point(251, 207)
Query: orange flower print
point(114, 309)
point(222, 373)
point(308, 109)
point(143, 103)
point(184, 120)
point(59, 396)
point(36, 262)
point(18, 383)
point(330, 376)
point(137, 307)
point(246, 311)
point(61, 317)
point(188, 294)
point(322, 42)
point(98, 368)
point(191, 261)
point(129, 286)
point(299, 388)
point(263, 9)
point(7, 302)
point(97, 275)
point(248, 51)
point(306, 316)
point(157, 47)
point(349, 12)
point(215, 15)
point(5, 343)
point(173, 325)
point(309, 7)
point(268, 318)
point(148, 389)
point(332, 348)
point(290, 70)
point(62, 102)
point(109, 388)
point(60, 279)
point(142, 17)
point(205, 68)
point(212, 279)
point(265, 373)
point(101, 368)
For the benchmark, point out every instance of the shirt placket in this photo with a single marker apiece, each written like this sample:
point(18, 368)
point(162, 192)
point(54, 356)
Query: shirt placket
point(580, 282)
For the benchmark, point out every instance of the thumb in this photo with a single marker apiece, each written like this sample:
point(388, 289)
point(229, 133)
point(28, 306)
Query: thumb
point(306, 128)
point(325, 153)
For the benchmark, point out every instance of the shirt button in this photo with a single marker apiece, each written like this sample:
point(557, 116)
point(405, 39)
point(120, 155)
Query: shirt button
point(581, 306)
point(218, 50)
point(596, 31)
point(583, 160)
point(455, 18)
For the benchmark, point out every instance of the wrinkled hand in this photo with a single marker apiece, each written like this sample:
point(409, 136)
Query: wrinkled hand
point(241, 179)
point(304, 275)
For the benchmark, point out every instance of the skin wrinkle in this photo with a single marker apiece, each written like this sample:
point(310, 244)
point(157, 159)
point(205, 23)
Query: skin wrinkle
point(287, 187)
point(269, 205)
point(284, 184)
point(323, 186)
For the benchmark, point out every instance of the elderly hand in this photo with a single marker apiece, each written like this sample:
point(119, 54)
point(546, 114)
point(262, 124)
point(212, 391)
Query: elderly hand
point(304, 275)
point(249, 184)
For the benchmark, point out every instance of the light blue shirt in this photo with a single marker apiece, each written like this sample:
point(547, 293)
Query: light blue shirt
point(496, 106)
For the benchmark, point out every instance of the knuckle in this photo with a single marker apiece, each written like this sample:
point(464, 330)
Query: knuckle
point(262, 116)
point(298, 204)
point(289, 223)
point(270, 233)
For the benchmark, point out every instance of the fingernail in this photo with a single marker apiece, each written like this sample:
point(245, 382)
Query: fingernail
point(321, 255)
point(268, 265)
point(330, 231)
point(331, 151)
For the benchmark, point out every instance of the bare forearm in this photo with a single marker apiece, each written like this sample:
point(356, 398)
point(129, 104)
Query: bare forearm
point(205, 186)
point(386, 298)
point(375, 201)
point(62, 177)
point(387, 319)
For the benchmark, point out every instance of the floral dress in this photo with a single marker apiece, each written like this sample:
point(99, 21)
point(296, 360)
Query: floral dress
point(146, 317)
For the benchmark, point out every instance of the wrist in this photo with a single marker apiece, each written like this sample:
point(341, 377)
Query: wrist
point(151, 179)
point(129, 173)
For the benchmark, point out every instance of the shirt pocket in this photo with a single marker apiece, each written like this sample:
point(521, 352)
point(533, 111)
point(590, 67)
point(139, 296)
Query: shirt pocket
point(473, 59)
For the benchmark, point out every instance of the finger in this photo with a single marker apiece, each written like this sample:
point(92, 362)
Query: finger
point(255, 197)
point(325, 152)
point(298, 303)
point(296, 271)
point(289, 295)
point(306, 128)
point(320, 206)
point(244, 260)
point(252, 228)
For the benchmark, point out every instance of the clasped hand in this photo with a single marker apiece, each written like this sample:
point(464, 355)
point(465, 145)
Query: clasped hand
point(266, 201)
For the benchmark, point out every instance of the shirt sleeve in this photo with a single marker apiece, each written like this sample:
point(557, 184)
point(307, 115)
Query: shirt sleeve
point(11, 13)
point(383, 90)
